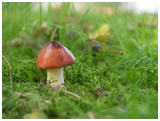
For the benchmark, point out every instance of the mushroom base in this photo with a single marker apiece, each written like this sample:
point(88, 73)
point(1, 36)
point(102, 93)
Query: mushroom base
point(55, 78)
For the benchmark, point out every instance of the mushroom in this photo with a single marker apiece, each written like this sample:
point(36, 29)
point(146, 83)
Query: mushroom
point(54, 57)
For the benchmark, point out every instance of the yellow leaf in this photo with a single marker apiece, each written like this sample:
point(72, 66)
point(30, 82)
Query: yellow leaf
point(101, 35)
point(36, 114)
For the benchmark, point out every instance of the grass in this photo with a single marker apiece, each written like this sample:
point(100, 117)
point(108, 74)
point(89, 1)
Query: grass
point(110, 85)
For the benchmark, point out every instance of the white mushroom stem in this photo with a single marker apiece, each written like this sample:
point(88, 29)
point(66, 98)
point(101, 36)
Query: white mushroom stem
point(55, 78)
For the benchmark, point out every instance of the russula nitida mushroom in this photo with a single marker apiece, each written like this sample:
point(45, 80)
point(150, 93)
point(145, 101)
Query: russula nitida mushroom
point(54, 57)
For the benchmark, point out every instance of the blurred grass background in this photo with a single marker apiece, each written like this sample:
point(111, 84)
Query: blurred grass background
point(110, 85)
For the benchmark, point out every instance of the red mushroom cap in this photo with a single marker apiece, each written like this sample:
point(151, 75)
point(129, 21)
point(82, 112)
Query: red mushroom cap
point(54, 55)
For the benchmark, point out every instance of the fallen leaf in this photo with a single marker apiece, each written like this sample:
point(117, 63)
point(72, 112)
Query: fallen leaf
point(101, 35)
point(43, 26)
point(90, 115)
point(16, 41)
point(153, 25)
point(107, 10)
point(88, 26)
point(36, 114)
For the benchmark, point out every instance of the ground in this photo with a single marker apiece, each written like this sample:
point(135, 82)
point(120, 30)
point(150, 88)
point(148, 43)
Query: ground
point(108, 85)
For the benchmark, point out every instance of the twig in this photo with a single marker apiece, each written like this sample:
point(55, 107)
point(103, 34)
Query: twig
point(72, 94)
point(9, 68)
point(111, 51)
